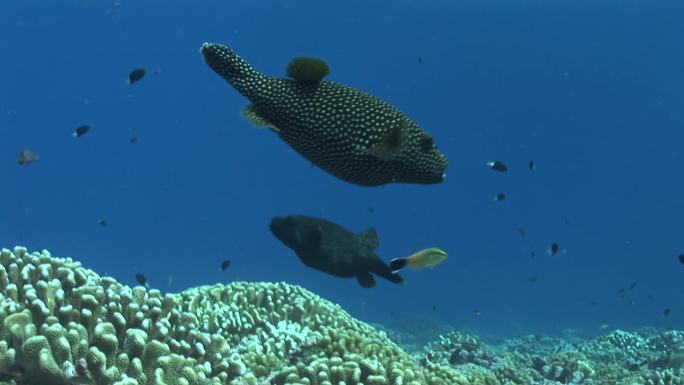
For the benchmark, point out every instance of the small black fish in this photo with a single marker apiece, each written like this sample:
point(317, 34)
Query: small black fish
point(681, 258)
point(332, 249)
point(650, 296)
point(420, 60)
point(593, 303)
point(135, 75)
point(133, 140)
point(531, 165)
point(224, 265)
point(532, 278)
point(566, 220)
point(102, 222)
point(632, 285)
point(553, 249)
point(141, 279)
point(434, 307)
point(27, 157)
point(666, 312)
point(499, 197)
point(521, 231)
point(80, 131)
point(532, 254)
point(497, 165)
point(371, 210)
point(476, 312)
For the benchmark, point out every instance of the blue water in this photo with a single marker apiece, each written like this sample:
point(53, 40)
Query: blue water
point(590, 90)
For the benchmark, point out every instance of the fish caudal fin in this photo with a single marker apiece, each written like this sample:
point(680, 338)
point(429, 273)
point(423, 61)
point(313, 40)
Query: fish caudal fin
point(397, 264)
point(232, 67)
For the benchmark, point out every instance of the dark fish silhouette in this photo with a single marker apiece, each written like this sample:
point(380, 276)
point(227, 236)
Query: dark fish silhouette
point(27, 157)
point(135, 75)
point(102, 222)
point(553, 249)
point(141, 279)
point(497, 165)
point(133, 140)
point(681, 258)
point(330, 248)
point(666, 312)
point(531, 165)
point(351, 134)
point(80, 131)
point(500, 197)
point(224, 265)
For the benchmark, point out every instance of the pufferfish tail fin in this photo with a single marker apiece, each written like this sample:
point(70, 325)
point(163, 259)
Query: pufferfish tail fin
point(240, 74)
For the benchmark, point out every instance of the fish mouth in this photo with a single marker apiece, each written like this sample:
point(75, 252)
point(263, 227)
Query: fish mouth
point(276, 222)
point(208, 51)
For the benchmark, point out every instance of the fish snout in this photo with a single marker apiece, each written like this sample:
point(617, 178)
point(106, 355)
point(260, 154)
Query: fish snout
point(276, 224)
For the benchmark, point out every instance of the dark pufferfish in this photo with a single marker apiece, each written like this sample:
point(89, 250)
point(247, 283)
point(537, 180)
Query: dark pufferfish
point(351, 134)
point(328, 247)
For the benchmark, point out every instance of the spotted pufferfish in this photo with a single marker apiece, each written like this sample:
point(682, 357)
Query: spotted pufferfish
point(349, 133)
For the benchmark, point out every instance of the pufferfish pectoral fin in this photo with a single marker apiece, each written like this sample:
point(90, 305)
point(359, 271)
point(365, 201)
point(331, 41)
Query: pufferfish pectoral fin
point(391, 144)
point(252, 115)
point(365, 279)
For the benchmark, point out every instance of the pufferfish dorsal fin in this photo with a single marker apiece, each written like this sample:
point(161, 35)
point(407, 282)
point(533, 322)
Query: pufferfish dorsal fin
point(369, 238)
point(307, 69)
point(392, 143)
point(252, 115)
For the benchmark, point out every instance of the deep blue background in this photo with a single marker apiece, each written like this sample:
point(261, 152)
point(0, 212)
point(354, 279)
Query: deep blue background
point(592, 91)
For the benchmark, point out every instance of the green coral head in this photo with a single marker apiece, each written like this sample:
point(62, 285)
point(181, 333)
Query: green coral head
point(307, 69)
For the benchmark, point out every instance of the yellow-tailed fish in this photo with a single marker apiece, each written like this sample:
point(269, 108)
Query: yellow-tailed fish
point(429, 257)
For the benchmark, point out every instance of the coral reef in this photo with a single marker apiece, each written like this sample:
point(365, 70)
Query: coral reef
point(647, 357)
point(63, 324)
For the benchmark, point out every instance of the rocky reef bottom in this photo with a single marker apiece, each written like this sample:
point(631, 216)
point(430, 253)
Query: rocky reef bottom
point(63, 324)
